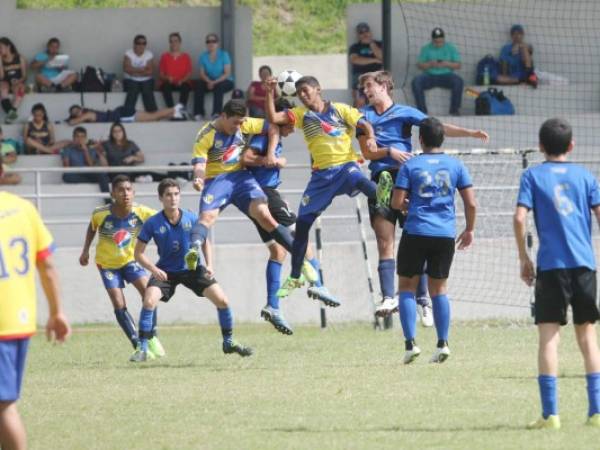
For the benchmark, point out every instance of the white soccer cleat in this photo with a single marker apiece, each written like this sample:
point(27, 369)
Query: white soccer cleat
point(386, 306)
point(426, 315)
point(440, 355)
point(411, 355)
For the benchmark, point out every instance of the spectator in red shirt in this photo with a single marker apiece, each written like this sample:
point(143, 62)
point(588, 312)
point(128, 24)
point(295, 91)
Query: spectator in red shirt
point(175, 71)
point(257, 93)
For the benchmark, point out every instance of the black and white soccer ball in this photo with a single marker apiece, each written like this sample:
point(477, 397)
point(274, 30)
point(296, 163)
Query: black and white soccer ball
point(286, 81)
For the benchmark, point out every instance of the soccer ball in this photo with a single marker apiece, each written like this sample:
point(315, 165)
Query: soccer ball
point(286, 81)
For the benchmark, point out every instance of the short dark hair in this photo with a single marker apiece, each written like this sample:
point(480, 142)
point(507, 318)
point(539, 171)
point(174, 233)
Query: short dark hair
point(53, 40)
point(282, 104)
point(265, 67)
point(71, 108)
point(139, 36)
point(40, 107)
point(431, 132)
point(555, 136)
point(236, 108)
point(167, 183)
point(78, 130)
point(175, 34)
point(308, 79)
point(119, 179)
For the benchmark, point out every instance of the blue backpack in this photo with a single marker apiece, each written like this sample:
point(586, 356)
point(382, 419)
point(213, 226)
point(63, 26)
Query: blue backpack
point(493, 103)
point(493, 67)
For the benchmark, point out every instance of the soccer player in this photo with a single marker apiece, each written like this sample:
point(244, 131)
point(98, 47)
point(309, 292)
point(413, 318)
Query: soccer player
point(328, 128)
point(171, 230)
point(393, 126)
point(118, 225)
point(254, 159)
point(25, 245)
point(430, 180)
point(561, 195)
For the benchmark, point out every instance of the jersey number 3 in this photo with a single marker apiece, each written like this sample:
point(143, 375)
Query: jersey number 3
point(21, 267)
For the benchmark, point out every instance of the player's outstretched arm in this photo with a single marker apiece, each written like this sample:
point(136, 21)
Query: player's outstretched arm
point(456, 131)
point(278, 118)
point(382, 152)
point(199, 174)
point(466, 237)
point(84, 258)
point(520, 230)
point(57, 327)
point(144, 261)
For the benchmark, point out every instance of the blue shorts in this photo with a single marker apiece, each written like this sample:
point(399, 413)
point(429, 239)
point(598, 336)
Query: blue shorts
point(116, 278)
point(239, 188)
point(13, 354)
point(326, 184)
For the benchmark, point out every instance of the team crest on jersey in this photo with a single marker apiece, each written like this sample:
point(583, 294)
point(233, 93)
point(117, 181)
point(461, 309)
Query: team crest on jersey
point(208, 199)
point(133, 221)
point(108, 225)
point(162, 229)
point(232, 154)
point(187, 226)
point(218, 143)
point(122, 238)
point(109, 275)
point(305, 200)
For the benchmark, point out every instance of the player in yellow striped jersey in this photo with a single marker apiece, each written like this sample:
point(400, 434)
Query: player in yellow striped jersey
point(25, 244)
point(118, 225)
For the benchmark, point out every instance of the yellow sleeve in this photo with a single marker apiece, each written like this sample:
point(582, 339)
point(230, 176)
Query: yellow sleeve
point(252, 125)
point(145, 212)
point(204, 142)
point(350, 115)
point(96, 220)
point(43, 239)
point(296, 116)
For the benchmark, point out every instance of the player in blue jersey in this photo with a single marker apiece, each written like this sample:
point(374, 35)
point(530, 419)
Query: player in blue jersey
point(171, 230)
point(562, 196)
point(393, 130)
point(430, 181)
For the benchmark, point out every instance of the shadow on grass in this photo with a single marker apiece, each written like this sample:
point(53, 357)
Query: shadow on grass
point(399, 429)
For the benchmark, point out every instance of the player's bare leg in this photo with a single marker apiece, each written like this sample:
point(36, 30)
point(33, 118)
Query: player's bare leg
point(199, 235)
point(12, 430)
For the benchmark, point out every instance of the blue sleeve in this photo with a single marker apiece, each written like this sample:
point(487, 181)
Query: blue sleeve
point(226, 58)
point(505, 53)
point(259, 143)
point(464, 178)
point(201, 61)
point(403, 178)
point(525, 197)
point(414, 116)
point(41, 57)
point(594, 193)
point(145, 234)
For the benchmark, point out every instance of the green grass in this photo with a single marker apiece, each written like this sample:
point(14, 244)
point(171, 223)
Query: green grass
point(343, 388)
point(281, 27)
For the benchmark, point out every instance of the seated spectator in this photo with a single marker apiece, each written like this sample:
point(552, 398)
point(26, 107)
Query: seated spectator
point(257, 93)
point(215, 77)
point(516, 62)
point(366, 55)
point(13, 74)
point(8, 155)
point(175, 71)
point(438, 59)
point(38, 134)
point(78, 115)
point(54, 75)
point(81, 153)
point(138, 66)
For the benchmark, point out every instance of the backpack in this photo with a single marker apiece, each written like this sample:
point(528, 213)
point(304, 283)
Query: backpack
point(493, 103)
point(493, 67)
point(94, 79)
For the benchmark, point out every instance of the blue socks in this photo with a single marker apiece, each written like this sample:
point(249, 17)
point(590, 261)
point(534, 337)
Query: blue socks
point(593, 389)
point(146, 320)
point(273, 277)
point(226, 322)
point(441, 316)
point(199, 233)
point(407, 307)
point(283, 236)
point(127, 325)
point(548, 395)
point(386, 269)
point(317, 266)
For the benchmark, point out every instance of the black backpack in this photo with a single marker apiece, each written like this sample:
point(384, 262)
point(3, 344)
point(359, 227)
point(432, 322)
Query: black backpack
point(94, 79)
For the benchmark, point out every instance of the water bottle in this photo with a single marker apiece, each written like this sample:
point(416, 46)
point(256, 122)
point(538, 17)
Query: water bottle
point(117, 86)
point(486, 76)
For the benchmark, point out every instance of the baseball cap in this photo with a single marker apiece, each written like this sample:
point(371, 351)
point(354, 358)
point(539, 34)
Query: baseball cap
point(363, 26)
point(437, 32)
point(517, 28)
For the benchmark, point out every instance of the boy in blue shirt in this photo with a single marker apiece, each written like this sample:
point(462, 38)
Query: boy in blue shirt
point(561, 195)
point(171, 230)
point(430, 180)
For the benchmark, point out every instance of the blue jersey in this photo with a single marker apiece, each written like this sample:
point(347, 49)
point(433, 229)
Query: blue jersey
point(431, 180)
point(393, 128)
point(266, 176)
point(561, 195)
point(173, 241)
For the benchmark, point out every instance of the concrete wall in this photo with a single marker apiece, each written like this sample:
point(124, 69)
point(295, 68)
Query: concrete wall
point(99, 37)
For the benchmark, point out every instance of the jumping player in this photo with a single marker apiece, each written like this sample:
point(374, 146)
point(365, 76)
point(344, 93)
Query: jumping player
point(430, 180)
point(328, 128)
point(171, 230)
point(393, 128)
point(561, 195)
point(118, 225)
point(25, 245)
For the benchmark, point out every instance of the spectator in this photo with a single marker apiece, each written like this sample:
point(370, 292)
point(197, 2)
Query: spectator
point(175, 71)
point(366, 55)
point(13, 73)
point(438, 59)
point(516, 62)
point(8, 155)
point(81, 153)
point(54, 75)
point(38, 134)
point(78, 115)
point(257, 93)
point(215, 76)
point(138, 66)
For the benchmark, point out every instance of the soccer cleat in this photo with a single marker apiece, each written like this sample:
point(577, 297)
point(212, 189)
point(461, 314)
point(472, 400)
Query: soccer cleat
point(384, 190)
point(386, 306)
point(309, 272)
point(156, 348)
point(425, 312)
point(593, 421)
point(289, 285)
point(411, 355)
point(275, 317)
point(141, 356)
point(230, 347)
point(440, 355)
point(551, 423)
point(323, 295)
point(191, 258)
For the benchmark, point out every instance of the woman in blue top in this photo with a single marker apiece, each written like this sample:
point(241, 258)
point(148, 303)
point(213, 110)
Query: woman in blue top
point(215, 76)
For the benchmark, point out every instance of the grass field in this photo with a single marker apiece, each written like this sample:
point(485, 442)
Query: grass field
point(343, 388)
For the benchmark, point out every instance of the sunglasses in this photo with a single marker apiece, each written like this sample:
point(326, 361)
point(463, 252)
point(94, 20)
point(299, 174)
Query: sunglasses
point(211, 41)
point(140, 43)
